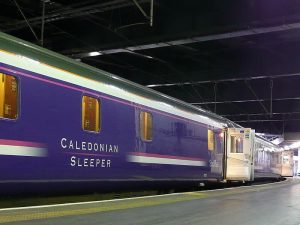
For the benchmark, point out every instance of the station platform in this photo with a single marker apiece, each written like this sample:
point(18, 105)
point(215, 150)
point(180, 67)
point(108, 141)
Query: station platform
point(275, 203)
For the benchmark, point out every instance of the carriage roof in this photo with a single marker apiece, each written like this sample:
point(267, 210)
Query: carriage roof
point(14, 45)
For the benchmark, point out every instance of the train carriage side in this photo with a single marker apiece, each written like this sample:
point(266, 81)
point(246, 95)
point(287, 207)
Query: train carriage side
point(177, 149)
point(270, 161)
point(72, 136)
point(264, 152)
point(54, 133)
point(55, 130)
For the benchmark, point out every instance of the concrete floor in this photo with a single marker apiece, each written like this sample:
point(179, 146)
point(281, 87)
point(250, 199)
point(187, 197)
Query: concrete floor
point(276, 204)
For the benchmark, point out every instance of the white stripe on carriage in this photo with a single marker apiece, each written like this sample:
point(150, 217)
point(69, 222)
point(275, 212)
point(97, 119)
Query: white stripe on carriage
point(166, 161)
point(10, 150)
point(59, 74)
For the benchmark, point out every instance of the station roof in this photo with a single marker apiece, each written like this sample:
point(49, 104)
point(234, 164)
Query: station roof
point(236, 58)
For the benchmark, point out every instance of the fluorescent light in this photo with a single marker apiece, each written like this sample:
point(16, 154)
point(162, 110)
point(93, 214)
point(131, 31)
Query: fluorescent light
point(94, 53)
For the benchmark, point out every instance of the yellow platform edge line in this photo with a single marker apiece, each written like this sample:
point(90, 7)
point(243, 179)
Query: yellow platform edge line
point(27, 215)
point(101, 208)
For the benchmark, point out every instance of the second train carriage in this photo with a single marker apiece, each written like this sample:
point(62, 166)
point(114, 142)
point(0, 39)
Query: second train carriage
point(270, 161)
point(64, 121)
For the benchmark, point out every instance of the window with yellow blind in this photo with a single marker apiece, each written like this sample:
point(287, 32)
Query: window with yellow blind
point(91, 117)
point(210, 140)
point(146, 126)
point(8, 96)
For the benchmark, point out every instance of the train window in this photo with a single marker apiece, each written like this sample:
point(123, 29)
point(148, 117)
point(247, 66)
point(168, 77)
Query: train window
point(146, 126)
point(8, 96)
point(236, 144)
point(210, 140)
point(285, 159)
point(91, 114)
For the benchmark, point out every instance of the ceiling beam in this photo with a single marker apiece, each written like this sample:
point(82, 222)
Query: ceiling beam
point(226, 80)
point(244, 101)
point(259, 114)
point(266, 120)
point(197, 39)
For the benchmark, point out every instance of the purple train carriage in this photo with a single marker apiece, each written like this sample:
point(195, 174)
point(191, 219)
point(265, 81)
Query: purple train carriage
point(64, 123)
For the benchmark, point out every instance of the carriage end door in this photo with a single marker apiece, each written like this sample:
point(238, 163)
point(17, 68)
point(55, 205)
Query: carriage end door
point(239, 154)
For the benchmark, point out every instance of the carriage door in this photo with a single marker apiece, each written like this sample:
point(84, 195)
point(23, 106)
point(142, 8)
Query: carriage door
point(240, 145)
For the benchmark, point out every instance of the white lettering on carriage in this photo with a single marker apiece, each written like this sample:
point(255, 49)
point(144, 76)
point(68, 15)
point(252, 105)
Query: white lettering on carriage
point(63, 143)
point(89, 162)
point(88, 159)
point(90, 146)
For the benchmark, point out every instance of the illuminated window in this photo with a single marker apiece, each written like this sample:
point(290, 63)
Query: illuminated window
point(90, 114)
point(236, 144)
point(210, 140)
point(286, 159)
point(146, 126)
point(8, 96)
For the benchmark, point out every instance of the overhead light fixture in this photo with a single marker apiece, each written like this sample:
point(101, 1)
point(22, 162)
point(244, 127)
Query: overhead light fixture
point(148, 56)
point(94, 53)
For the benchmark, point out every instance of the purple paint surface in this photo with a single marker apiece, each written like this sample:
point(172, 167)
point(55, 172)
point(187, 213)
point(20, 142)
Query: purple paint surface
point(51, 110)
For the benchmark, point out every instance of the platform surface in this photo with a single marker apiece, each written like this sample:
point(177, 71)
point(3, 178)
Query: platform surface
point(276, 204)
